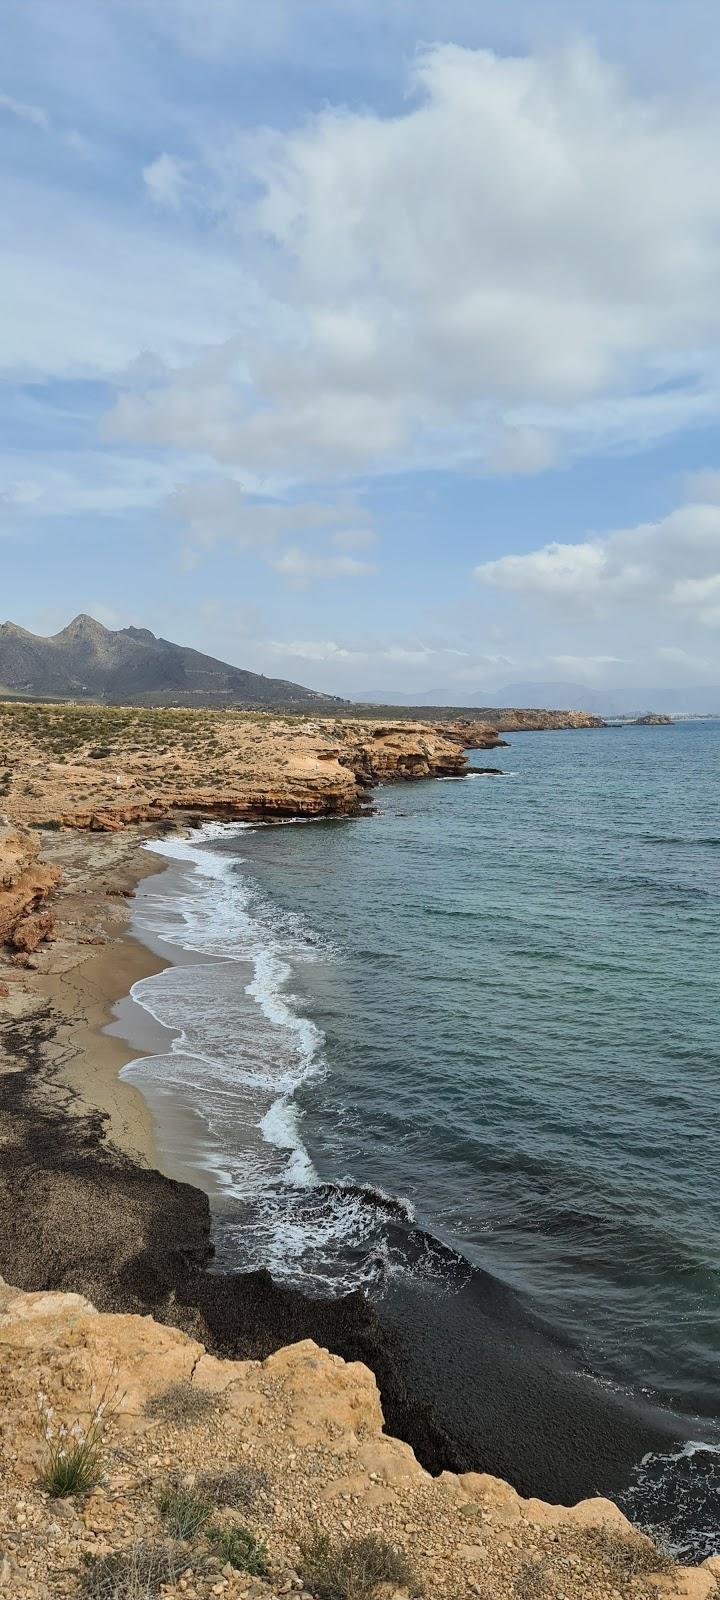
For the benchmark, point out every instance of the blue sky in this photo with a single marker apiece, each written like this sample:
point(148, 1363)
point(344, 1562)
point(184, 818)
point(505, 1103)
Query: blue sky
point(371, 343)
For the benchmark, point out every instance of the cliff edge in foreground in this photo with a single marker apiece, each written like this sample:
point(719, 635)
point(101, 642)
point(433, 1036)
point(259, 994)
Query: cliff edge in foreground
point(286, 1449)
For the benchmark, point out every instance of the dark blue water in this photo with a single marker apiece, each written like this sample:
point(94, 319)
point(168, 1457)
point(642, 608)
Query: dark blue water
point(497, 999)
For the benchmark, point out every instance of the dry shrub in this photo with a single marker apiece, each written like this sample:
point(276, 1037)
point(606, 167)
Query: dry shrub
point(136, 1573)
point(236, 1487)
point(623, 1556)
point(185, 1403)
point(353, 1569)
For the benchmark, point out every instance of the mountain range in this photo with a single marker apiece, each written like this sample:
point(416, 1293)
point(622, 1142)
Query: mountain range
point(130, 666)
point(87, 661)
point(700, 699)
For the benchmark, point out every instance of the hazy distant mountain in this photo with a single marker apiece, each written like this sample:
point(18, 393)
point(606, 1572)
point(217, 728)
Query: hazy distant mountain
point(400, 697)
point(702, 699)
point(89, 662)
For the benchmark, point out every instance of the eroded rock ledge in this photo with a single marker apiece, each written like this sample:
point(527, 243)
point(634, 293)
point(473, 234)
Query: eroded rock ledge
point(108, 768)
point(25, 884)
point(311, 1425)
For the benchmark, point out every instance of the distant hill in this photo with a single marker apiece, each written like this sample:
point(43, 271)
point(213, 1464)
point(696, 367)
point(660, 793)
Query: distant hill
point(630, 700)
point(697, 699)
point(130, 666)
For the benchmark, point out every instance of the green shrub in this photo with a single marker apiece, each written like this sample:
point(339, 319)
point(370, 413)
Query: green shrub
point(353, 1569)
point(184, 1510)
point(240, 1547)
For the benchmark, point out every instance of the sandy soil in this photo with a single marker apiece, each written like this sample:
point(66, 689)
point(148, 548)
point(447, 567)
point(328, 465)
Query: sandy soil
point(74, 982)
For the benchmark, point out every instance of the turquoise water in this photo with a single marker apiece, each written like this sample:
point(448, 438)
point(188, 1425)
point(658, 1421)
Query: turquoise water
point(523, 1029)
point(497, 1000)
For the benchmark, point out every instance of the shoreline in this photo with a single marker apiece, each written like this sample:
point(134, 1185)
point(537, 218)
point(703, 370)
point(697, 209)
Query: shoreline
point(76, 981)
point(87, 1207)
point(434, 1342)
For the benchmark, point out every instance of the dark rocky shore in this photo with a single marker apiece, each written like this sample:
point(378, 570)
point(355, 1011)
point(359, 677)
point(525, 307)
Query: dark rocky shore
point(469, 1380)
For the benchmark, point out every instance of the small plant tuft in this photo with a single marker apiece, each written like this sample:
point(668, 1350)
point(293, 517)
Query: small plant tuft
point(185, 1403)
point(353, 1569)
point(238, 1487)
point(625, 1556)
point(240, 1547)
point(136, 1573)
point(184, 1511)
point(73, 1452)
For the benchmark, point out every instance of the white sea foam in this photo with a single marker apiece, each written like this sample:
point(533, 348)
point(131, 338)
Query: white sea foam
point(242, 1046)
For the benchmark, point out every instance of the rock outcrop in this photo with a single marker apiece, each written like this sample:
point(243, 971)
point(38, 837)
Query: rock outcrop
point(303, 1433)
point(474, 735)
point(104, 769)
point(512, 720)
point(25, 884)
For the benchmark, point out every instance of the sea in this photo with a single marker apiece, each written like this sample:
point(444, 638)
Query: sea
point(468, 1048)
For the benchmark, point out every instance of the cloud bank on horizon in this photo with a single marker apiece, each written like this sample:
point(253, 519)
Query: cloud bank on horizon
point(375, 349)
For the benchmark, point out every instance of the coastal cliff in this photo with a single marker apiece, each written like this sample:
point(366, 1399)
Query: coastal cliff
point(103, 769)
point(512, 720)
point(292, 1451)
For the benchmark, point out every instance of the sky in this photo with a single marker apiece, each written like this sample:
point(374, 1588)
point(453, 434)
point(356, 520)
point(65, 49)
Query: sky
point(369, 343)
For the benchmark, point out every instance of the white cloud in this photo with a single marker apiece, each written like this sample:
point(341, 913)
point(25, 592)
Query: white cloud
point(354, 538)
point(166, 180)
point(85, 292)
point(704, 486)
point(37, 117)
point(670, 567)
point(24, 112)
point(221, 510)
point(80, 482)
point(299, 566)
point(530, 236)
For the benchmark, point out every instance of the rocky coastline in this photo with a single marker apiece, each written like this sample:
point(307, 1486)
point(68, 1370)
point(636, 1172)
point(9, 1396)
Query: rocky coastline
point(83, 1208)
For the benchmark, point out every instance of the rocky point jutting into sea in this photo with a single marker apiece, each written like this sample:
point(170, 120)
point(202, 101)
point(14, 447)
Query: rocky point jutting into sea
point(83, 1208)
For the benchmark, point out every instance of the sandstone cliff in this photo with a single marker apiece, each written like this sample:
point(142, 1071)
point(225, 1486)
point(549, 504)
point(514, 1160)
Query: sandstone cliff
point(299, 1438)
point(512, 720)
point(102, 768)
point(25, 884)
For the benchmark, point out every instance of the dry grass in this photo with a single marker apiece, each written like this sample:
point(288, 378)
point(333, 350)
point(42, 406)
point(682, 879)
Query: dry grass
point(623, 1557)
point(136, 1573)
point(237, 1487)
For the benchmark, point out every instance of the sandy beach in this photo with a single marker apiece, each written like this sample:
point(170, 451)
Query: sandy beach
point(74, 982)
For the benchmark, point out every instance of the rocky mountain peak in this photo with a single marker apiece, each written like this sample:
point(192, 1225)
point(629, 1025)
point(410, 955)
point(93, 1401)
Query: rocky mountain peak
point(84, 630)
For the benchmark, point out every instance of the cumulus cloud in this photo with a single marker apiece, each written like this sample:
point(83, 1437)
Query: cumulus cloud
point(529, 236)
point(671, 567)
